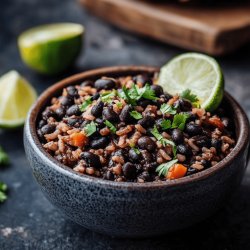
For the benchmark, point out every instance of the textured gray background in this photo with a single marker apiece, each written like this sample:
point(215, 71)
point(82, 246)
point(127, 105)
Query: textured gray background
point(27, 219)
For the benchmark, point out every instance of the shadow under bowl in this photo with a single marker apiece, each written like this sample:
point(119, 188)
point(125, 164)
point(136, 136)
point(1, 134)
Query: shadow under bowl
point(134, 209)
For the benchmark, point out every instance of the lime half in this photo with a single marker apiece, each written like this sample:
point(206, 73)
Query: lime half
point(50, 49)
point(197, 72)
point(16, 97)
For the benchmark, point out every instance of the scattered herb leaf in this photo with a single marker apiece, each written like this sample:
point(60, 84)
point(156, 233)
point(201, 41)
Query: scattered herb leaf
point(167, 109)
point(90, 128)
point(108, 96)
point(180, 121)
point(135, 114)
point(148, 93)
point(119, 104)
point(3, 189)
point(4, 158)
point(110, 126)
point(85, 104)
point(187, 94)
point(164, 168)
point(162, 140)
point(166, 124)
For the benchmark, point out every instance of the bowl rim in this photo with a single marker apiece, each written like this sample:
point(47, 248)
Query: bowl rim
point(30, 132)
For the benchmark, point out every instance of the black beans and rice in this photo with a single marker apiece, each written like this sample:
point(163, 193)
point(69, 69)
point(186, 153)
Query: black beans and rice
point(128, 129)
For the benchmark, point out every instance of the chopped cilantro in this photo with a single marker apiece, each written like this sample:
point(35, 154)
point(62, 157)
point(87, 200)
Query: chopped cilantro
point(85, 104)
point(135, 114)
point(166, 124)
point(119, 104)
point(162, 140)
point(135, 93)
point(180, 121)
point(137, 151)
point(167, 109)
point(164, 168)
point(90, 128)
point(186, 94)
point(3, 189)
point(108, 96)
point(110, 126)
point(4, 159)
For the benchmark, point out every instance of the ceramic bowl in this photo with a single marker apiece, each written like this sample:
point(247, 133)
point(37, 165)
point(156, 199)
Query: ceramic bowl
point(134, 209)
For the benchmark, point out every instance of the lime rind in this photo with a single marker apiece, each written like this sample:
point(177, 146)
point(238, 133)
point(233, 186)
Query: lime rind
point(197, 72)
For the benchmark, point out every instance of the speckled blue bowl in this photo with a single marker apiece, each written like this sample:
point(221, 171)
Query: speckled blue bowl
point(133, 209)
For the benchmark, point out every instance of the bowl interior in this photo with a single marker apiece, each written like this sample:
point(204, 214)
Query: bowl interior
point(232, 108)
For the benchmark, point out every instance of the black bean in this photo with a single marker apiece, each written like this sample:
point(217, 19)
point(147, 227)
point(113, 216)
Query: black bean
point(95, 96)
point(133, 156)
point(100, 123)
point(42, 123)
point(87, 83)
point(202, 141)
point(75, 122)
point(41, 137)
point(184, 150)
point(177, 136)
point(183, 105)
point(72, 91)
point(106, 84)
point(166, 97)
point(147, 121)
point(147, 143)
point(97, 109)
point(193, 129)
point(158, 90)
point(216, 143)
point(143, 79)
point(151, 167)
point(145, 176)
point(129, 170)
point(144, 102)
point(109, 114)
point(91, 159)
point(191, 171)
point(73, 110)
point(125, 114)
point(146, 156)
point(99, 143)
point(48, 129)
point(206, 163)
point(191, 116)
point(67, 101)
point(60, 112)
point(158, 124)
point(48, 113)
point(109, 176)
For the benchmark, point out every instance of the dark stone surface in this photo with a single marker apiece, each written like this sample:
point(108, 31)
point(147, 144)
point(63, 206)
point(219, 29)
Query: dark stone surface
point(27, 219)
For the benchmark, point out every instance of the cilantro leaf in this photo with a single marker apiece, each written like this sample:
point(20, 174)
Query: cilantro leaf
point(186, 94)
point(166, 124)
point(148, 93)
point(110, 126)
point(4, 158)
point(3, 189)
point(137, 151)
point(135, 114)
point(180, 121)
point(163, 140)
point(167, 109)
point(119, 104)
point(108, 96)
point(164, 168)
point(90, 128)
point(85, 104)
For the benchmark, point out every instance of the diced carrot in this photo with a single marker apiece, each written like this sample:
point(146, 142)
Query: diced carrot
point(216, 122)
point(176, 171)
point(78, 139)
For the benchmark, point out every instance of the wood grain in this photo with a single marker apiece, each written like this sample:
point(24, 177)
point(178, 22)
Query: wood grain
point(212, 30)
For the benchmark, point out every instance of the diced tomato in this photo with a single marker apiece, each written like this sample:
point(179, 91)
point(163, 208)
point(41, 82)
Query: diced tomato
point(176, 171)
point(216, 122)
point(78, 139)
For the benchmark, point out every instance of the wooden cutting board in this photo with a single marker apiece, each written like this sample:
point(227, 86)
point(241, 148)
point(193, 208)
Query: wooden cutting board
point(215, 31)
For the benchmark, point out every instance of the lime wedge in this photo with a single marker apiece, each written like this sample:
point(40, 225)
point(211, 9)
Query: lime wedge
point(50, 49)
point(16, 97)
point(197, 72)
